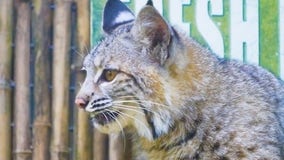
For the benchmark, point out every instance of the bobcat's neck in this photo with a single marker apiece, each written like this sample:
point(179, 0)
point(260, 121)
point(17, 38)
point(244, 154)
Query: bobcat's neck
point(183, 133)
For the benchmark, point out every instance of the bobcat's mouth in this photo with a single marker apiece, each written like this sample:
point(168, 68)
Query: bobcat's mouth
point(103, 118)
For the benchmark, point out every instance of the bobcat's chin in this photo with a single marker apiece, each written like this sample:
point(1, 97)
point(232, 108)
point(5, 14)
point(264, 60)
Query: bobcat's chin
point(106, 122)
point(103, 118)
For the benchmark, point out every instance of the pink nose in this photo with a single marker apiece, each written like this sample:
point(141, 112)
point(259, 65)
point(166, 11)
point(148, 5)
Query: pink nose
point(81, 103)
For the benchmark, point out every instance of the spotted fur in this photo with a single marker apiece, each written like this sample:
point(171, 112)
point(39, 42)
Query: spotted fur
point(176, 98)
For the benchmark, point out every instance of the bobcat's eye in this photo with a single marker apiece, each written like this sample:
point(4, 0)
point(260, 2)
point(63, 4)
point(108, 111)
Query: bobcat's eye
point(109, 74)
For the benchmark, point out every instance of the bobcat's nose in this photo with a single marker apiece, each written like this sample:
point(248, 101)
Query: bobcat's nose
point(81, 103)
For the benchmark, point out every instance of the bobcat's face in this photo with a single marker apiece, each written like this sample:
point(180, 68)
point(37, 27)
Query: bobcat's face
point(125, 76)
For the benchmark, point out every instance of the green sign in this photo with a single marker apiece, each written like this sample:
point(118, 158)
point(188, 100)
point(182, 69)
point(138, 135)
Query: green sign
point(248, 30)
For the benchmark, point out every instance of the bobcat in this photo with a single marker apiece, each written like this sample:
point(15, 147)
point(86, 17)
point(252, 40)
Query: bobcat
point(176, 98)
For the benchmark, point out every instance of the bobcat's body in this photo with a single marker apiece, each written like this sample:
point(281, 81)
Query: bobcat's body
point(177, 99)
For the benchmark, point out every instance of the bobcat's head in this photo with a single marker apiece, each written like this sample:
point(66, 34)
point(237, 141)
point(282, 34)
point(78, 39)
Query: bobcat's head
point(129, 73)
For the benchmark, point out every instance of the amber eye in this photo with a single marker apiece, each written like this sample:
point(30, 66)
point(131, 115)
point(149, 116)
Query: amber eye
point(109, 74)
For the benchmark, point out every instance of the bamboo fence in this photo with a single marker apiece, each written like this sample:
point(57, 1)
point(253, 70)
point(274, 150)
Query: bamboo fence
point(41, 25)
point(42, 45)
point(60, 81)
point(82, 132)
point(22, 133)
point(5, 77)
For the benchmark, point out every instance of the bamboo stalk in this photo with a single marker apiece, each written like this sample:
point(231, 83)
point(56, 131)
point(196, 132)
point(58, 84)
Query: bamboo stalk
point(22, 148)
point(120, 147)
point(42, 123)
point(100, 146)
point(116, 147)
point(5, 77)
point(83, 138)
point(60, 81)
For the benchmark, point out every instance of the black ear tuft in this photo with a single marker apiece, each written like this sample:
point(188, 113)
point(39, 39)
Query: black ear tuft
point(115, 14)
point(149, 3)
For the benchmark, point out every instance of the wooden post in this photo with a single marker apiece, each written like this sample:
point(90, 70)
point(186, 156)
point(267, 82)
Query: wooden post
point(22, 134)
point(100, 146)
point(41, 25)
point(83, 136)
point(60, 81)
point(5, 77)
point(120, 147)
point(116, 147)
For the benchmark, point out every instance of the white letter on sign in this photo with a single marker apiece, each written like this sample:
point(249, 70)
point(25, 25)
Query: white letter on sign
point(244, 30)
point(206, 26)
point(176, 14)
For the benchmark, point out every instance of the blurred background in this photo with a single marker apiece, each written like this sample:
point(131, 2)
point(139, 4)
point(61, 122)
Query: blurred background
point(42, 45)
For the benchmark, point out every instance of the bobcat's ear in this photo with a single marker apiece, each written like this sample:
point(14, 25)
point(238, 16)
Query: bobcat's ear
point(153, 32)
point(115, 14)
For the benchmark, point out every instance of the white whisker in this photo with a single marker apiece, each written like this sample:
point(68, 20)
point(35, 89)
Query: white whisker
point(126, 107)
point(120, 126)
point(139, 121)
point(143, 102)
point(79, 53)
